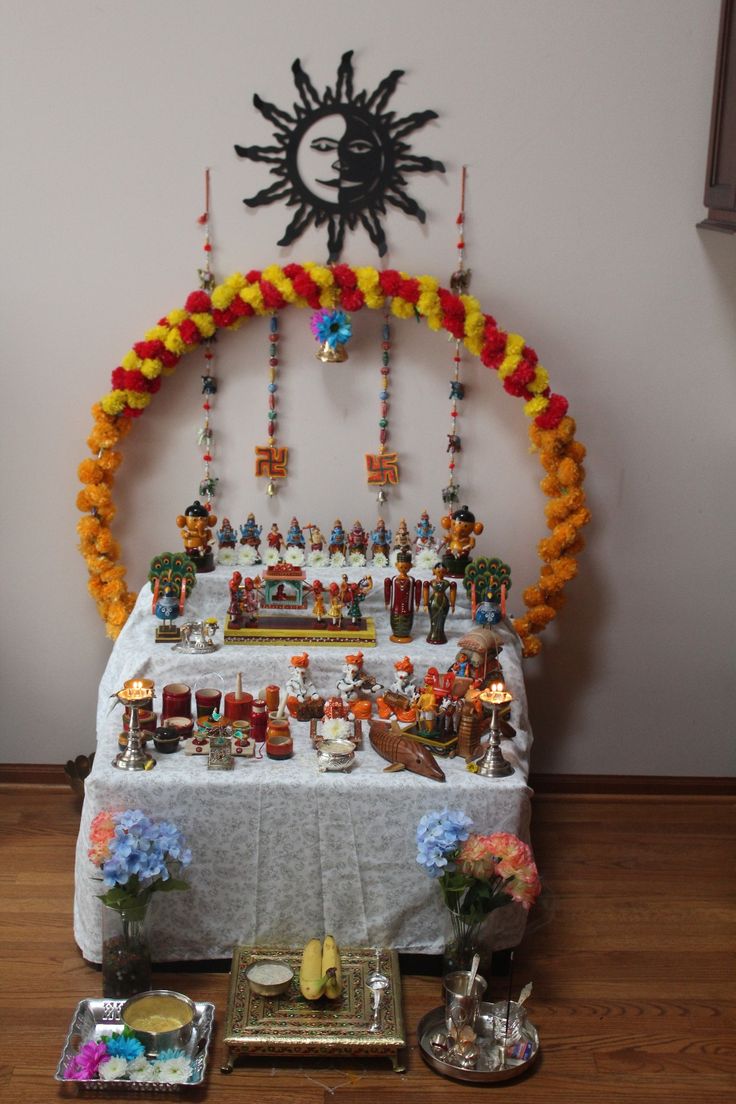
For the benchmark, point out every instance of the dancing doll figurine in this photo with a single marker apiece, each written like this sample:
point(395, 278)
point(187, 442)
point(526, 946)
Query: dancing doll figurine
point(335, 611)
point(250, 533)
point(439, 598)
point(401, 594)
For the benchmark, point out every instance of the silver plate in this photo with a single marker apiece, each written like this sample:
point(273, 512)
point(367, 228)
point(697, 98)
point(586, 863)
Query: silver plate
point(96, 1016)
point(435, 1021)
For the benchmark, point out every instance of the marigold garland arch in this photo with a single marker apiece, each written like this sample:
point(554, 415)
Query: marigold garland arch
point(138, 377)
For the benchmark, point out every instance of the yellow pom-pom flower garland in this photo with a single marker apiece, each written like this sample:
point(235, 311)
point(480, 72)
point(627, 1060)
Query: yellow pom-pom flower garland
point(239, 297)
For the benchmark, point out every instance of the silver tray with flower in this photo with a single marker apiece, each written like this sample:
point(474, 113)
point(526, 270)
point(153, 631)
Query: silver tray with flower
point(434, 1023)
point(100, 1016)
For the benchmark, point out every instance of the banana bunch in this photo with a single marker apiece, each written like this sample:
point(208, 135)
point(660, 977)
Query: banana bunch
point(321, 970)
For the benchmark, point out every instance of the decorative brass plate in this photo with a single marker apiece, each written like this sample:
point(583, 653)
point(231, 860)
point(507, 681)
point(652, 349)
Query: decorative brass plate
point(291, 1026)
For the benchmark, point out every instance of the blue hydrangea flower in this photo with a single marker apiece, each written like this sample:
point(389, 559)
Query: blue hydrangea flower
point(439, 835)
point(125, 1046)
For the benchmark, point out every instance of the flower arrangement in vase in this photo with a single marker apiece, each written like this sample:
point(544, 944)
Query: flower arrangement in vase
point(137, 858)
point(476, 874)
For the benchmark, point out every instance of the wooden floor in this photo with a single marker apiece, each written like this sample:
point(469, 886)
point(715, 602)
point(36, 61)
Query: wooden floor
point(633, 969)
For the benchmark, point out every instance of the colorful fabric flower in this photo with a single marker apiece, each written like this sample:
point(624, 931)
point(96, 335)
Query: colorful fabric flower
point(84, 1065)
point(331, 326)
point(112, 1069)
point(125, 1046)
point(173, 1071)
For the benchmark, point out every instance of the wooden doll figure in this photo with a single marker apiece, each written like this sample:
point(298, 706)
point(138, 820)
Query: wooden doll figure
point(439, 599)
point(401, 594)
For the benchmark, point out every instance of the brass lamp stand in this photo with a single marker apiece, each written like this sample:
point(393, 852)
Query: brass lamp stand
point(492, 764)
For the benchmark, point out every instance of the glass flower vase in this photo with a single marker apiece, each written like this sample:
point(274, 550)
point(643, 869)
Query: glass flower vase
point(463, 943)
point(126, 955)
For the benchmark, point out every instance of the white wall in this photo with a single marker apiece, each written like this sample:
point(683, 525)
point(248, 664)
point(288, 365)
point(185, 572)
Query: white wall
point(584, 126)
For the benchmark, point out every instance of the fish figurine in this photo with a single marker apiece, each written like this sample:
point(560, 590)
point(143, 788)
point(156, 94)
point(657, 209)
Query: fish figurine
point(403, 752)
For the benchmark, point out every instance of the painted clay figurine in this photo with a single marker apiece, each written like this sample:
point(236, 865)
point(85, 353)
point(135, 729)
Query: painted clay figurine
point(196, 526)
point(294, 535)
point(316, 537)
point(462, 529)
point(354, 683)
point(226, 535)
point(398, 699)
point(274, 538)
point(250, 533)
point(401, 594)
point(299, 685)
point(381, 539)
point(338, 539)
point(358, 539)
point(402, 539)
point(439, 598)
point(424, 531)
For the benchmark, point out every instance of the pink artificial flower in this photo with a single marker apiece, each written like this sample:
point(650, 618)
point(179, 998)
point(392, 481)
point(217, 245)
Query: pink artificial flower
point(84, 1066)
point(102, 830)
point(502, 856)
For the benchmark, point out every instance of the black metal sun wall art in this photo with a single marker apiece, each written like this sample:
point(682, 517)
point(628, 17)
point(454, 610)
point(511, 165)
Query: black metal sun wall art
point(340, 157)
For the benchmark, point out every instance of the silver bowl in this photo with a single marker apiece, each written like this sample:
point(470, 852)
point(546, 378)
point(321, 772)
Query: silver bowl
point(335, 755)
point(164, 1003)
point(268, 988)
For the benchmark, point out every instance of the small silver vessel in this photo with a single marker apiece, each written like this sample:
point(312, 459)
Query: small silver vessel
point(335, 755)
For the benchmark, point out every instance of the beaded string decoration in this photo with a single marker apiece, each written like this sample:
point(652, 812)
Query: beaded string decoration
point(208, 483)
point(271, 459)
point(459, 283)
point(382, 467)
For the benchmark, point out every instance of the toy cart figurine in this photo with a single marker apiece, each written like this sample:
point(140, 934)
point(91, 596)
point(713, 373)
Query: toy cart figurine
point(381, 539)
point(294, 535)
point(401, 594)
point(424, 531)
point(461, 528)
point(250, 533)
point(338, 540)
point(196, 526)
point(439, 598)
point(358, 539)
point(226, 535)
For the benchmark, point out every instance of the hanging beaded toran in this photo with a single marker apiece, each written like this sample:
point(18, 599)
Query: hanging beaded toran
point(382, 468)
point(271, 459)
point(459, 283)
point(208, 483)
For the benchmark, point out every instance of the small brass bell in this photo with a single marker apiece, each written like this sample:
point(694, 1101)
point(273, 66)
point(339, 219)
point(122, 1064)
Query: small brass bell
point(331, 354)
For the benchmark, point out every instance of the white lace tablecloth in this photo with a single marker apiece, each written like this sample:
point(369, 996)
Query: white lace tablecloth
point(280, 852)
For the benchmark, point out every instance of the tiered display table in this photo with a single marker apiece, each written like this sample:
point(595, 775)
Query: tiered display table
point(280, 852)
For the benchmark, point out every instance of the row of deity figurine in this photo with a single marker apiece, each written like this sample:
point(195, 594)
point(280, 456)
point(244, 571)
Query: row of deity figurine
point(457, 538)
point(380, 539)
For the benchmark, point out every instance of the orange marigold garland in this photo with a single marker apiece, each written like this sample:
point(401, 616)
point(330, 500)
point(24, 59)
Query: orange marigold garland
point(138, 378)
